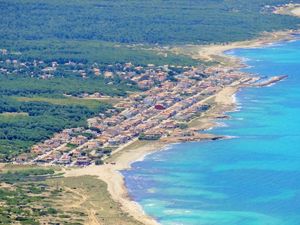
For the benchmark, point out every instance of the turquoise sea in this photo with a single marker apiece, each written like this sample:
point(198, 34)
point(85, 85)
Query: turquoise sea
point(253, 179)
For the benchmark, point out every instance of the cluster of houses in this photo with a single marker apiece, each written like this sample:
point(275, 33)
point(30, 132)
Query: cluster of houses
point(163, 110)
point(144, 76)
point(74, 146)
point(171, 97)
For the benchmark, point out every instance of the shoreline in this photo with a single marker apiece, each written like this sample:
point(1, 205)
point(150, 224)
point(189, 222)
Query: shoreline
point(215, 53)
point(291, 9)
point(225, 101)
point(112, 176)
point(122, 160)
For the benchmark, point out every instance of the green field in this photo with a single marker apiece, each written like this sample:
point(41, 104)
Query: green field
point(89, 103)
point(7, 115)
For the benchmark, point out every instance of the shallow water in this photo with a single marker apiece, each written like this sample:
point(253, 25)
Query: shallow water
point(250, 180)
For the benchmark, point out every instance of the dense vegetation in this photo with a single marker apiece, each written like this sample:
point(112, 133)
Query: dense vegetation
point(98, 30)
point(90, 51)
point(140, 21)
point(27, 86)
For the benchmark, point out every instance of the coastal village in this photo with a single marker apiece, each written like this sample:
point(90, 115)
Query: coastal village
point(170, 98)
point(162, 111)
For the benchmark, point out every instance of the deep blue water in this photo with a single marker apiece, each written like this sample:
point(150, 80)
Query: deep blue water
point(250, 180)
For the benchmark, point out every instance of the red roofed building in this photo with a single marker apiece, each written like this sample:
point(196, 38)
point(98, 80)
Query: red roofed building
point(159, 107)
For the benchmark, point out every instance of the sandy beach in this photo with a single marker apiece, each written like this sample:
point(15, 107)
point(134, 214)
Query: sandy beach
point(216, 53)
point(110, 173)
point(296, 11)
point(289, 9)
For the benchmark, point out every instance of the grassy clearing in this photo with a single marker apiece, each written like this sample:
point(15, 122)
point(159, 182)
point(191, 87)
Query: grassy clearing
point(8, 115)
point(14, 168)
point(89, 103)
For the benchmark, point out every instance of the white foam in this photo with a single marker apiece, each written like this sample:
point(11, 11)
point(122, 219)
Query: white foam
point(221, 124)
point(165, 148)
